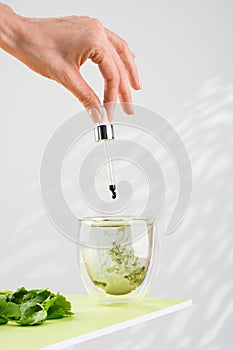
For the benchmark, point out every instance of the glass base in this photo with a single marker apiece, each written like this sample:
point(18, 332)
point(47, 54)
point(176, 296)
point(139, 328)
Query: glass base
point(118, 300)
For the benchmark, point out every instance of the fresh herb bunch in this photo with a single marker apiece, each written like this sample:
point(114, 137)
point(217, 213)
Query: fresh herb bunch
point(32, 307)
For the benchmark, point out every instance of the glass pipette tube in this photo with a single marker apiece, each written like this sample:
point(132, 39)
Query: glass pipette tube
point(111, 178)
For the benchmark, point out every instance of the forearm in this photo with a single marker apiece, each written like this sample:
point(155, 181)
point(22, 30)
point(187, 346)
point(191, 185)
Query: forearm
point(10, 29)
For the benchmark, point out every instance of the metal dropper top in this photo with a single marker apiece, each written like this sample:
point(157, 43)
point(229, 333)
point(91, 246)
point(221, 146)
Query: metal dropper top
point(104, 132)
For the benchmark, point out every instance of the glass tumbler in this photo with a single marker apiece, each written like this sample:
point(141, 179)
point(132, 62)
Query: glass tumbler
point(118, 257)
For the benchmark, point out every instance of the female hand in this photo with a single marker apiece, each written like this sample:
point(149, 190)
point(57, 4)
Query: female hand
point(57, 48)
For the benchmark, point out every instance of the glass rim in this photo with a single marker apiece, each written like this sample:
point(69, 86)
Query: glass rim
point(115, 220)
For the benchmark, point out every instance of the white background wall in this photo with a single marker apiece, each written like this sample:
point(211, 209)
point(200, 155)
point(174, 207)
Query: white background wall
point(185, 54)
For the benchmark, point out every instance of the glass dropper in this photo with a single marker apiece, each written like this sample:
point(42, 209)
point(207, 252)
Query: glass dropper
point(104, 132)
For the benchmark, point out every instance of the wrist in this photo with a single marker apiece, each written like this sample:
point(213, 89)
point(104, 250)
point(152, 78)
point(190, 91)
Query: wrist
point(11, 29)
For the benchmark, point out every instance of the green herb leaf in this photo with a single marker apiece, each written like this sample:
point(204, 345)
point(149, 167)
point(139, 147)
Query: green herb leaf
point(9, 310)
point(37, 295)
point(17, 297)
point(32, 313)
point(58, 307)
point(5, 292)
point(3, 320)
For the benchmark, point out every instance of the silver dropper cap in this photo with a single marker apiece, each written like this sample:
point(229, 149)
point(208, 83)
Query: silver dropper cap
point(104, 131)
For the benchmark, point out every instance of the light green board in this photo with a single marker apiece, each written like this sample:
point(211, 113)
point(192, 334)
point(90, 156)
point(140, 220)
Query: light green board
point(88, 322)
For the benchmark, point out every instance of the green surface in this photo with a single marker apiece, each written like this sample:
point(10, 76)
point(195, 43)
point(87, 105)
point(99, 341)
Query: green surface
point(87, 318)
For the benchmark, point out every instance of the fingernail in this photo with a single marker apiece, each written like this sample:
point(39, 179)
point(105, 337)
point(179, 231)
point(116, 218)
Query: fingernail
point(133, 54)
point(139, 83)
point(128, 108)
point(131, 109)
point(94, 114)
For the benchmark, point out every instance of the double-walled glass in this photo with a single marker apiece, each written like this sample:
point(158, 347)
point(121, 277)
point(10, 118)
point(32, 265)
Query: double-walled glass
point(118, 257)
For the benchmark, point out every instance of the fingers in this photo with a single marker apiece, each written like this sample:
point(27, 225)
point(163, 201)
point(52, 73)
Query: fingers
point(124, 93)
point(103, 57)
point(116, 64)
point(127, 58)
point(115, 77)
point(75, 83)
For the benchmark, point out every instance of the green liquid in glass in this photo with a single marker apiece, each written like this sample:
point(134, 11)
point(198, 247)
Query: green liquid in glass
point(125, 273)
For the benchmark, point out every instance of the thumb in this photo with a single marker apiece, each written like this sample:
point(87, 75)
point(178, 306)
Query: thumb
point(84, 93)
